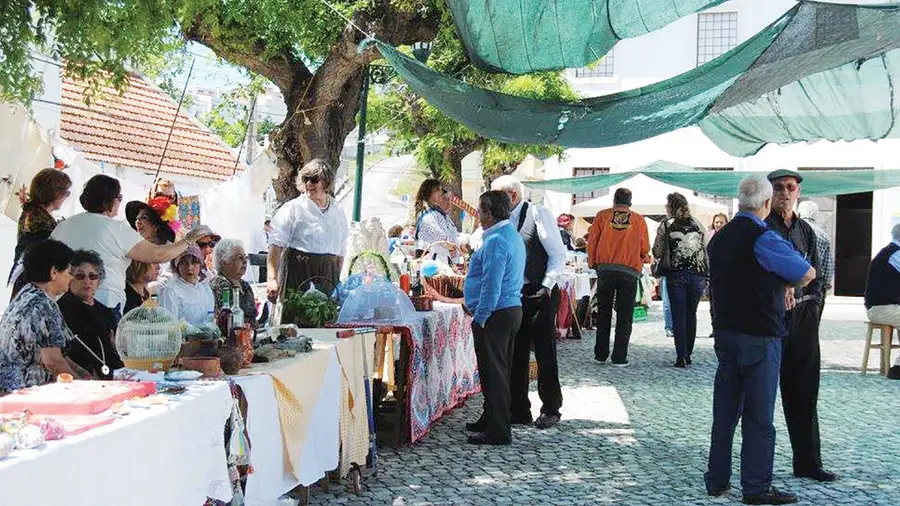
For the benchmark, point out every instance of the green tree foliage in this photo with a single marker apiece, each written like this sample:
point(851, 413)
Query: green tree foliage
point(309, 51)
point(438, 142)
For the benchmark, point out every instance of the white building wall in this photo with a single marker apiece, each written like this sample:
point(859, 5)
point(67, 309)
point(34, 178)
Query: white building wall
point(672, 51)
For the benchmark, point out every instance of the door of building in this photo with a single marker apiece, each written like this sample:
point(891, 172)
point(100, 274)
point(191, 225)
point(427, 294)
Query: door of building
point(853, 243)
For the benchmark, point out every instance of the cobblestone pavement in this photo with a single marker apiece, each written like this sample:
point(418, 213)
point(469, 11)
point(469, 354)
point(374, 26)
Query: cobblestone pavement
point(640, 435)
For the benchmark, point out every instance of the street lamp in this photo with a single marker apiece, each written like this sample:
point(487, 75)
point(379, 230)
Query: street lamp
point(421, 50)
point(378, 74)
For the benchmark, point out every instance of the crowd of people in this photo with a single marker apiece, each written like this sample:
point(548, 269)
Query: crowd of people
point(766, 272)
point(74, 280)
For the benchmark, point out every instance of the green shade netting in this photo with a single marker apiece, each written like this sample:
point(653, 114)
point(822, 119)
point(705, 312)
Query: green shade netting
point(524, 36)
point(815, 70)
point(725, 183)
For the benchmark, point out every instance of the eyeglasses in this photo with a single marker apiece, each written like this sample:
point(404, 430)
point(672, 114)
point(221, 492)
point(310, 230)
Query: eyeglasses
point(791, 188)
point(310, 179)
point(93, 276)
point(207, 244)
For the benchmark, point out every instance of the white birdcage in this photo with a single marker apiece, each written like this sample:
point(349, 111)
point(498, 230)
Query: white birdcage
point(149, 338)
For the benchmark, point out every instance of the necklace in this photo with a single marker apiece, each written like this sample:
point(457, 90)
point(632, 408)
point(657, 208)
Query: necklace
point(104, 369)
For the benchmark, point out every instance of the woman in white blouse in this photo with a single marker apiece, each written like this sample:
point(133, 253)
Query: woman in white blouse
point(308, 240)
point(185, 296)
point(433, 223)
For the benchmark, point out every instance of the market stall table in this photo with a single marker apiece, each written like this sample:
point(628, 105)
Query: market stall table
point(171, 454)
point(301, 420)
point(438, 368)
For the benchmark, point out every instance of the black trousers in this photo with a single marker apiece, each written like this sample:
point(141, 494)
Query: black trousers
point(538, 329)
point(800, 368)
point(493, 350)
point(620, 289)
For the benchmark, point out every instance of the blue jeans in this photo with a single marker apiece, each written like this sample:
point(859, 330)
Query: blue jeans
point(685, 290)
point(664, 295)
point(745, 387)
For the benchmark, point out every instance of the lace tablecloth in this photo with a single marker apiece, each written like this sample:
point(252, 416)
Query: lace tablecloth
point(442, 370)
point(172, 454)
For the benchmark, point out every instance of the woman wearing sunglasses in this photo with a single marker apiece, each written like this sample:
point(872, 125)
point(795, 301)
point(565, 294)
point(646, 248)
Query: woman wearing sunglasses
point(309, 235)
point(93, 346)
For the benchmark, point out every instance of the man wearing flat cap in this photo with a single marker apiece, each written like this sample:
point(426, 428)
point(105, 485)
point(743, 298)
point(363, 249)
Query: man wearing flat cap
point(800, 365)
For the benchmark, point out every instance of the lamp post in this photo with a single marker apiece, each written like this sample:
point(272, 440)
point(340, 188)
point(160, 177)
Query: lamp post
point(378, 74)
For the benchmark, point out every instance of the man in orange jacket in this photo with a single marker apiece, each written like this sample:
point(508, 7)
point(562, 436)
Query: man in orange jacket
point(618, 247)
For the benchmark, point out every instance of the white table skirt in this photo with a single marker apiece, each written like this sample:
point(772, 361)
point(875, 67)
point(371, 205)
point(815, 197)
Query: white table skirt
point(320, 449)
point(172, 454)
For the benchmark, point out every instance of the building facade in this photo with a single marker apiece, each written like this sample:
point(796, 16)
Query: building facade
point(859, 224)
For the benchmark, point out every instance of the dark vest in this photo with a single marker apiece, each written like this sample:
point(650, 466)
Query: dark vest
point(746, 298)
point(535, 255)
point(883, 283)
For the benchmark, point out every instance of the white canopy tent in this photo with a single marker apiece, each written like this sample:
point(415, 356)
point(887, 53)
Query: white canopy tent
point(651, 202)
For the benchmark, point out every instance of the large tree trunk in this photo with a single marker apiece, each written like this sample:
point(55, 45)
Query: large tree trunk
point(321, 106)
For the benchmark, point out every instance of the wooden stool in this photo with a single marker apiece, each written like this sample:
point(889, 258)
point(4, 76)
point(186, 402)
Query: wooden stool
point(886, 345)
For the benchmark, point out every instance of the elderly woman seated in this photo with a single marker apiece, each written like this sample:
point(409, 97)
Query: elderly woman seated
point(33, 332)
point(231, 264)
point(93, 347)
point(186, 296)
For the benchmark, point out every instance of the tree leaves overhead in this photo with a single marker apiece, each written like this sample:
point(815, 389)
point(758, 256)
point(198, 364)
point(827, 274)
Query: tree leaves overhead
point(438, 142)
point(101, 40)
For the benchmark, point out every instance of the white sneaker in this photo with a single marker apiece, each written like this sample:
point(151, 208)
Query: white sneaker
point(620, 364)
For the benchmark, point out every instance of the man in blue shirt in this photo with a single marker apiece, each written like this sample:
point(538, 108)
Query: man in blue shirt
point(753, 272)
point(493, 294)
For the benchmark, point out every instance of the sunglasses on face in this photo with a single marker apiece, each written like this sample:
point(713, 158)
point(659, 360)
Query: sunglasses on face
point(205, 244)
point(81, 276)
point(310, 179)
point(782, 187)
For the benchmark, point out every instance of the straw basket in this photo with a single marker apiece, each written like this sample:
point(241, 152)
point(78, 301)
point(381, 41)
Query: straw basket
point(149, 364)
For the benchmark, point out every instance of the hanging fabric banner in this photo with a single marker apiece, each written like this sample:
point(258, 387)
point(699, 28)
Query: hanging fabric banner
point(524, 36)
point(724, 183)
point(822, 70)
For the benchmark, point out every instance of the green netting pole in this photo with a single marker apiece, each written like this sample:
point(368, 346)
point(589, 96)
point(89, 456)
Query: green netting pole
point(361, 147)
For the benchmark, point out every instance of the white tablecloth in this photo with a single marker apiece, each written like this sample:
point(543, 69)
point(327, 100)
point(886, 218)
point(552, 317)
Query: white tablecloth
point(172, 454)
point(320, 449)
point(579, 283)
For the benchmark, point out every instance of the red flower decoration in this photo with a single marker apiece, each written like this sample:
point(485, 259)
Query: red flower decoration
point(159, 204)
point(59, 164)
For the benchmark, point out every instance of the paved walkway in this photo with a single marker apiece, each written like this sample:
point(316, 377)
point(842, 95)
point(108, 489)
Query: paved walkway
point(640, 435)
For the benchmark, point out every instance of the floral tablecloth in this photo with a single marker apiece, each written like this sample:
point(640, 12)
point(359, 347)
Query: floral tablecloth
point(443, 371)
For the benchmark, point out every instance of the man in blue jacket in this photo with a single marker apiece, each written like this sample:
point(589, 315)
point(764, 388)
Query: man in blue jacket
point(753, 271)
point(493, 294)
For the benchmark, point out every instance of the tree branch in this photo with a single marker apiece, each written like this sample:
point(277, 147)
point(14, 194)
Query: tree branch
point(283, 69)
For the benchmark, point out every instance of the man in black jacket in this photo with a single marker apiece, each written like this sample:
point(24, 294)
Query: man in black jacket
point(800, 366)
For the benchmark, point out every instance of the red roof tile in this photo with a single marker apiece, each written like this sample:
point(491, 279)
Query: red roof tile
point(131, 130)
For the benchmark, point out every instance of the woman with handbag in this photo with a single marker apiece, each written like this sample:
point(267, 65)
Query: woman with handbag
point(680, 247)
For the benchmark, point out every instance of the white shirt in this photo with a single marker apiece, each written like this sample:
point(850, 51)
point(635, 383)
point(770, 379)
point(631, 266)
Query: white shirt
point(191, 303)
point(548, 233)
point(301, 225)
point(112, 239)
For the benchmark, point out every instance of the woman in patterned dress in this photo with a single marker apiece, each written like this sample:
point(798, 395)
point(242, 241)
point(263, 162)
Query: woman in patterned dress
point(33, 332)
point(49, 190)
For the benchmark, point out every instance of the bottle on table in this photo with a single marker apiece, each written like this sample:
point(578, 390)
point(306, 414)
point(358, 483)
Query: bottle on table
point(225, 319)
point(237, 314)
